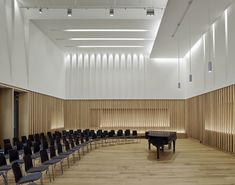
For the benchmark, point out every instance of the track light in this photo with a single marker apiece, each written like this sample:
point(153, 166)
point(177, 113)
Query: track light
point(190, 77)
point(150, 12)
point(210, 66)
point(179, 85)
point(40, 11)
point(111, 12)
point(69, 12)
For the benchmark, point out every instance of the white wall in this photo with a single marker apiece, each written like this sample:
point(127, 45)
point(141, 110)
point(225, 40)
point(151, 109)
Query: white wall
point(222, 44)
point(28, 59)
point(120, 76)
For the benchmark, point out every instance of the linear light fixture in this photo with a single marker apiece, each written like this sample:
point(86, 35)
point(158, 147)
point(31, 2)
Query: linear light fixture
point(69, 12)
point(111, 12)
point(129, 39)
point(114, 46)
point(106, 30)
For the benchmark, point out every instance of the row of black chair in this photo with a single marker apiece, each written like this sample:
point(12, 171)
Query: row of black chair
point(39, 145)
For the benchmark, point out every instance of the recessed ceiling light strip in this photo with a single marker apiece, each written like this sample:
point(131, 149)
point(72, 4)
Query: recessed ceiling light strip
point(105, 30)
point(103, 46)
point(116, 39)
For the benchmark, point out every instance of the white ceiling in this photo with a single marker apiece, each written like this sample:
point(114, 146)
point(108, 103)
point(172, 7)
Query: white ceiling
point(94, 14)
point(196, 18)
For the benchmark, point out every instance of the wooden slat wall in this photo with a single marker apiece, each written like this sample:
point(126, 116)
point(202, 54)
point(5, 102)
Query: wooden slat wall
point(45, 113)
point(6, 114)
point(84, 113)
point(211, 118)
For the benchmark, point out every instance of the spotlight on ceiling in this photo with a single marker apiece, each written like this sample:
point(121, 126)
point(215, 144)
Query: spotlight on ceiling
point(150, 12)
point(111, 12)
point(69, 12)
point(40, 10)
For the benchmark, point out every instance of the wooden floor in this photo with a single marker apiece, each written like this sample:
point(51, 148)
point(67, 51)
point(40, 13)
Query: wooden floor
point(133, 164)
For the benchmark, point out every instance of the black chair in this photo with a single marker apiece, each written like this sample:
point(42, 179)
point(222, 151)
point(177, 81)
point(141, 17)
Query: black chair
point(6, 141)
point(29, 168)
point(36, 148)
point(31, 138)
point(28, 151)
point(20, 179)
point(61, 153)
point(135, 135)
point(52, 162)
point(7, 147)
point(15, 140)
point(14, 157)
point(54, 156)
point(19, 147)
point(4, 168)
point(24, 139)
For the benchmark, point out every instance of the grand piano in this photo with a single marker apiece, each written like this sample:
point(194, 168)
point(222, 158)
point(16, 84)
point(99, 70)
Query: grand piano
point(161, 138)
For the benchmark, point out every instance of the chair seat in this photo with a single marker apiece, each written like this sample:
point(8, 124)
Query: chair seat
point(35, 156)
point(5, 168)
point(38, 169)
point(30, 178)
point(19, 161)
point(51, 162)
point(67, 153)
point(59, 157)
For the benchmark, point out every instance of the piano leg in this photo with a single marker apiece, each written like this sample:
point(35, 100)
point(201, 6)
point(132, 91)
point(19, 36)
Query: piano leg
point(169, 146)
point(173, 145)
point(149, 145)
point(158, 151)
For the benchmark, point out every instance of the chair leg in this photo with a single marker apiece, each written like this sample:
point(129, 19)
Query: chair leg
point(68, 161)
point(53, 177)
point(49, 174)
point(41, 181)
point(61, 166)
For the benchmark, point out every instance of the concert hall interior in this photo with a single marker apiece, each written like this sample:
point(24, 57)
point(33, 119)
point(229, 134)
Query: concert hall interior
point(117, 92)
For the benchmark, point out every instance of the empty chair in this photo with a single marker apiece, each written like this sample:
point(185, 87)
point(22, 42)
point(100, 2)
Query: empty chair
point(52, 162)
point(14, 157)
point(28, 151)
point(15, 140)
point(29, 168)
point(29, 143)
point(61, 153)
point(7, 147)
point(19, 147)
point(45, 144)
point(24, 139)
point(54, 156)
point(36, 148)
point(3, 165)
point(6, 141)
point(31, 138)
point(20, 179)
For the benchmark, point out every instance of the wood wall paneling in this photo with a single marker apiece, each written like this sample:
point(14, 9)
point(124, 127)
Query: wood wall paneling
point(6, 114)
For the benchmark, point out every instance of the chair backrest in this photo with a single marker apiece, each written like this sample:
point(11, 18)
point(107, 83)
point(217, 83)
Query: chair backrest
point(19, 145)
point(31, 137)
point(76, 140)
point(44, 156)
point(28, 163)
point(2, 160)
point(59, 148)
point(23, 139)
point(134, 132)
point(127, 132)
point(15, 141)
point(67, 147)
point(27, 150)
point(72, 143)
point(13, 155)
point(29, 143)
point(44, 144)
point(7, 147)
point(6, 141)
point(52, 142)
point(52, 151)
point(119, 133)
point(36, 147)
point(17, 171)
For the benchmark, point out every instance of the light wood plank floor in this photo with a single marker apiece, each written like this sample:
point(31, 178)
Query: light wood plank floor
point(132, 164)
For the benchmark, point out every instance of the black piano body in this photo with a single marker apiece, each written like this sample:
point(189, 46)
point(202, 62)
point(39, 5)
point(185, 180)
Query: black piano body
point(161, 138)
